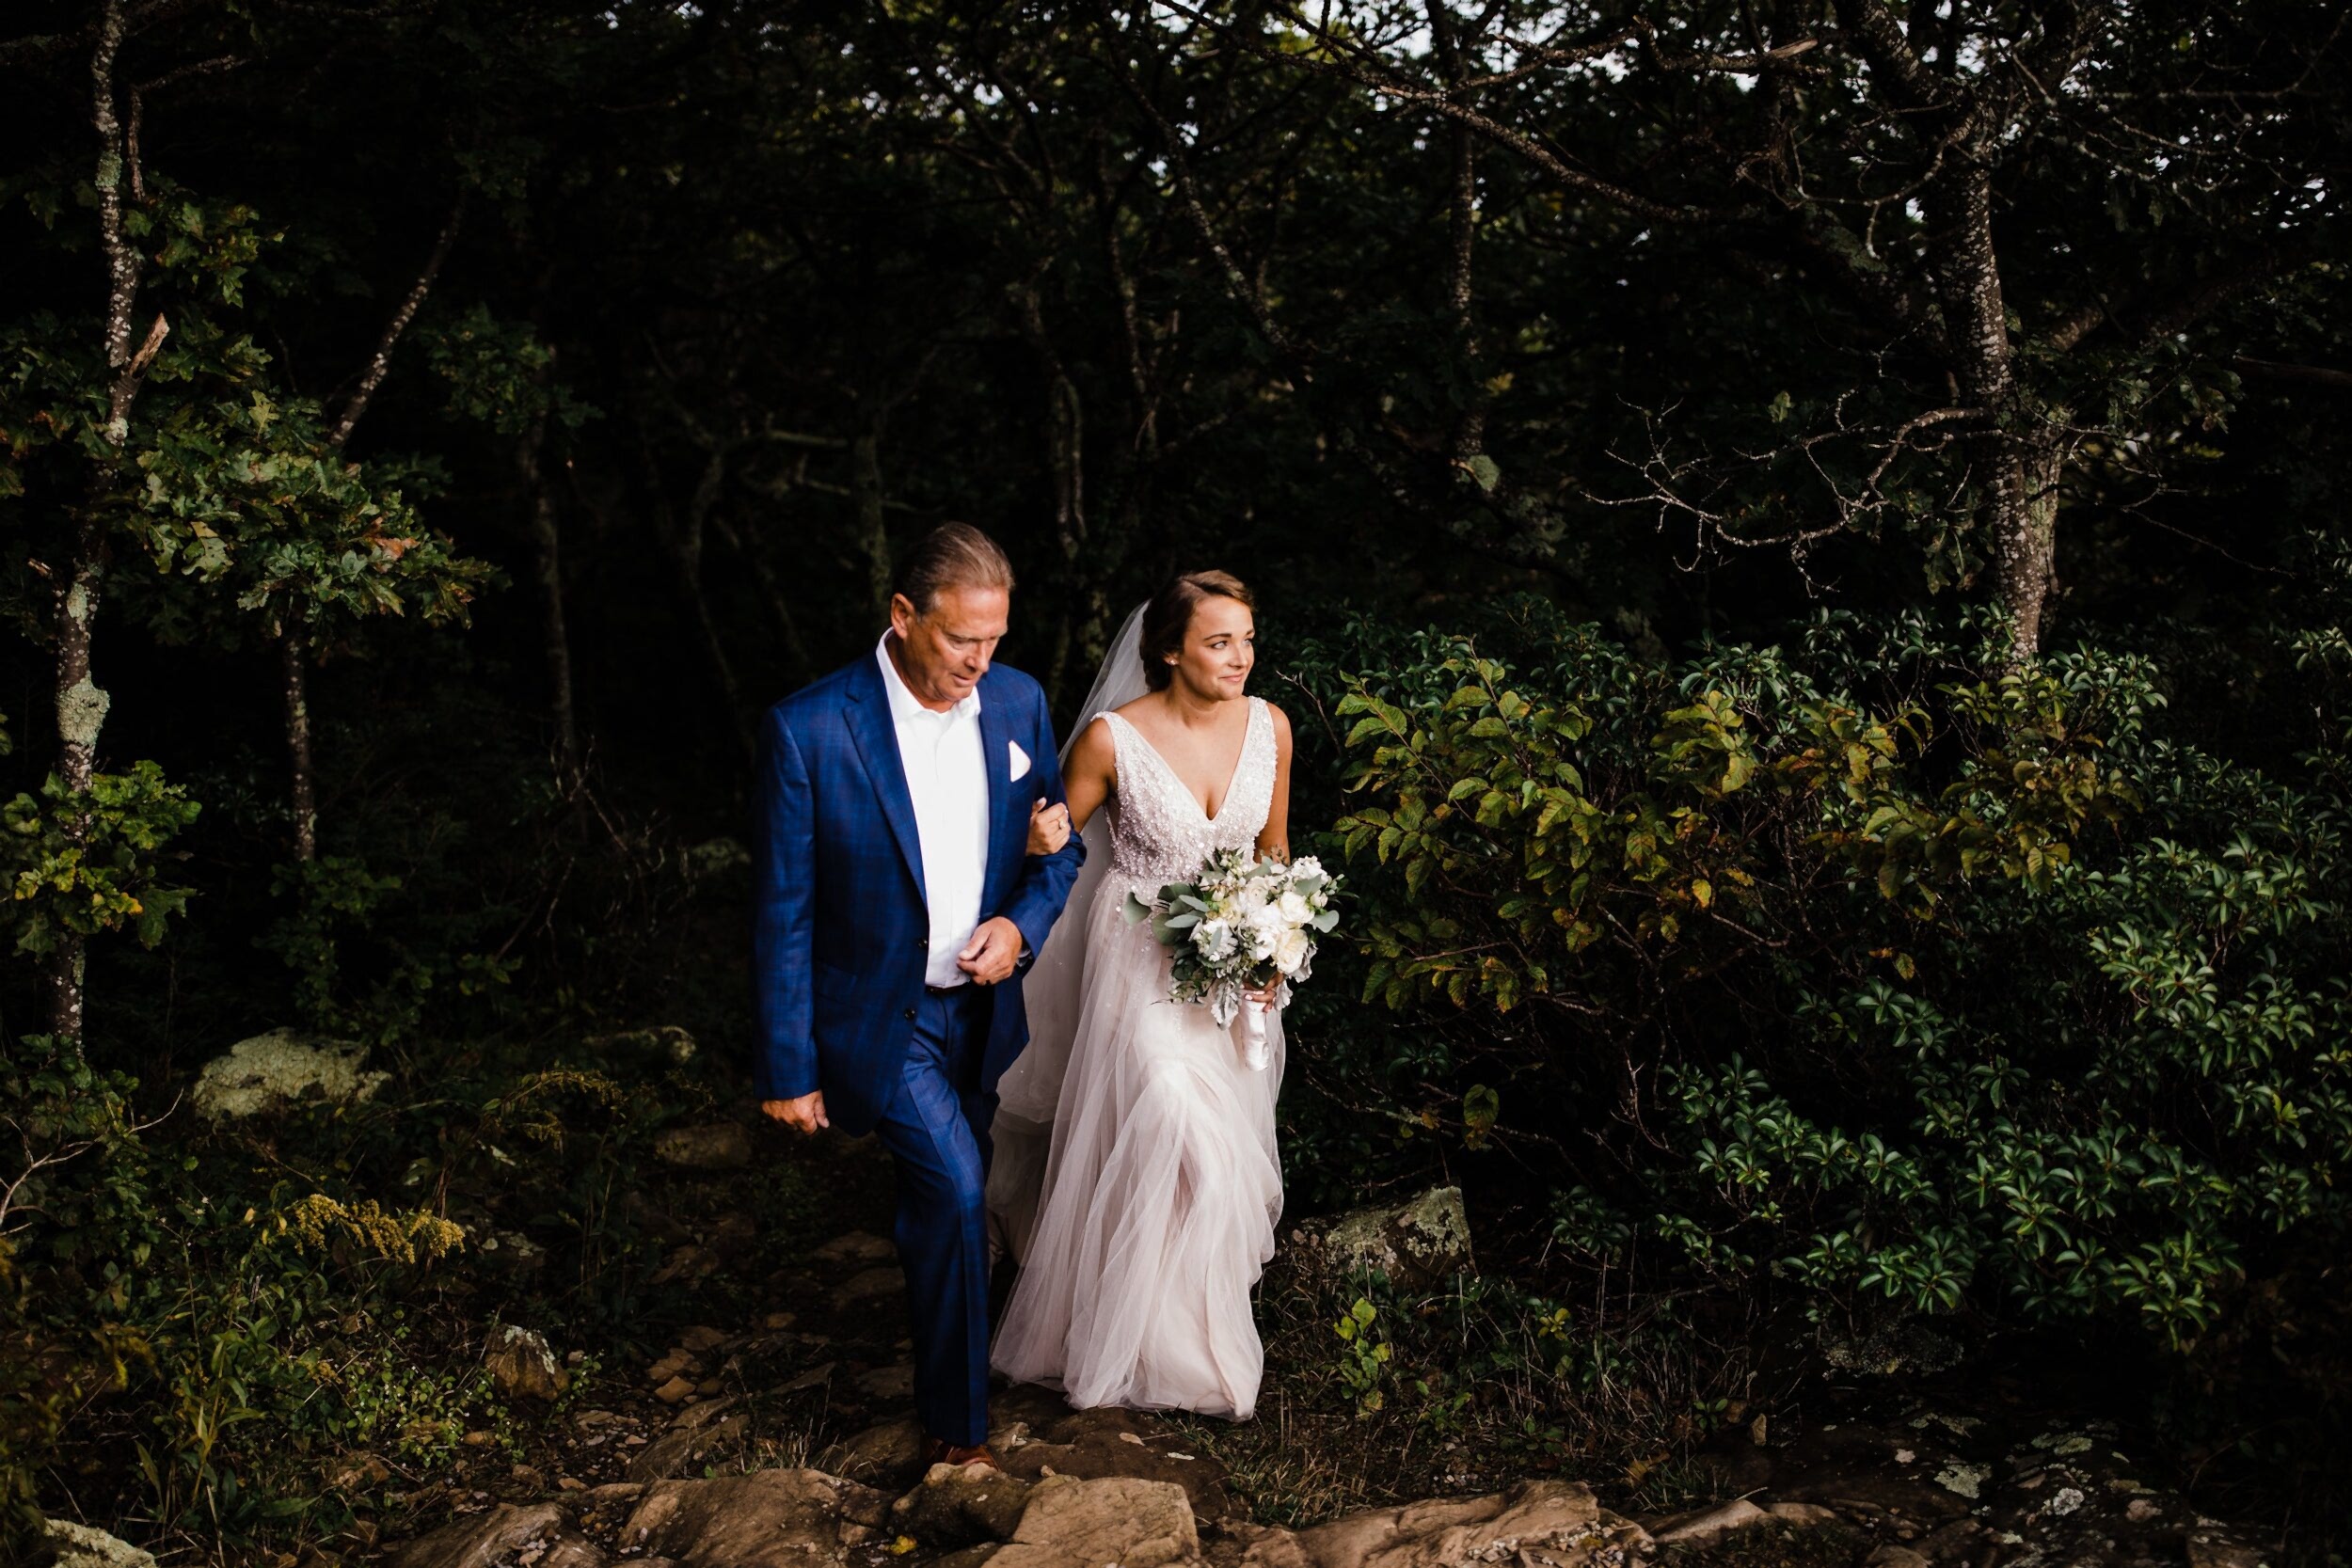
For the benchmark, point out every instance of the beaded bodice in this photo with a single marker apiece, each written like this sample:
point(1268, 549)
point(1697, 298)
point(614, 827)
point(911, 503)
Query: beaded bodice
point(1159, 835)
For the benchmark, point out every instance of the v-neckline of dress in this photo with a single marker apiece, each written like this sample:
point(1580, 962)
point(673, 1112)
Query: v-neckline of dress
point(1232, 776)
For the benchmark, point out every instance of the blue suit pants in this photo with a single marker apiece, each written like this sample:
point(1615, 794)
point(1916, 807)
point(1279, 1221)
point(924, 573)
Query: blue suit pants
point(936, 1130)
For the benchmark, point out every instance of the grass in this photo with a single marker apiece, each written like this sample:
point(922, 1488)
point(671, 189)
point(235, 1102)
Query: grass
point(1481, 1385)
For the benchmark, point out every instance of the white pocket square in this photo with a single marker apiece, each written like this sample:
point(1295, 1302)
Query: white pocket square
point(1019, 761)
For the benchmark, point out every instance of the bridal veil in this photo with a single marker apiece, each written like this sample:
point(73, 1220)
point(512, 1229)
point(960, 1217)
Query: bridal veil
point(1054, 988)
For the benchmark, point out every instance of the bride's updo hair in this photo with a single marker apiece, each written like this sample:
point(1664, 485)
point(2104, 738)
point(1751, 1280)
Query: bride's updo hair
point(1169, 616)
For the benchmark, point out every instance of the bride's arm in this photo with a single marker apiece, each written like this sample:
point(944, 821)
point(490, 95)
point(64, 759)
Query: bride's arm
point(1093, 772)
point(1274, 839)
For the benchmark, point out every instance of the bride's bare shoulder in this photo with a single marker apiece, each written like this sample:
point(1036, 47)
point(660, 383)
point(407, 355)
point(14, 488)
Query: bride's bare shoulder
point(1094, 746)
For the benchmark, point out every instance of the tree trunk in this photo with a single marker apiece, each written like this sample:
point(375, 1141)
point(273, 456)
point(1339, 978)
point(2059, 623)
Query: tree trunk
point(1065, 454)
point(294, 644)
point(865, 486)
point(555, 637)
point(687, 544)
point(1086, 631)
point(800, 668)
point(293, 648)
point(2029, 582)
point(80, 714)
point(81, 704)
point(682, 538)
point(2018, 508)
point(1468, 438)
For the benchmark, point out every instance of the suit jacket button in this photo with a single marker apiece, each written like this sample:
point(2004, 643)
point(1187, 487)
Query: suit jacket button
point(910, 1015)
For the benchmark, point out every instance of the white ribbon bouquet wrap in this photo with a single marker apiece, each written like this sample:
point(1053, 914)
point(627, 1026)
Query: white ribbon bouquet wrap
point(1241, 925)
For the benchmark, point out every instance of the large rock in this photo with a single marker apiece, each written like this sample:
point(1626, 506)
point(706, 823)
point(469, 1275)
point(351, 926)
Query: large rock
point(280, 1070)
point(1708, 1522)
point(701, 1431)
point(856, 1246)
point(1423, 1243)
point(961, 1506)
point(1099, 1445)
point(1548, 1522)
point(2208, 1550)
point(891, 1450)
point(718, 1146)
point(81, 1546)
point(870, 1287)
point(1086, 1524)
point(654, 1223)
point(888, 1383)
point(500, 1536)
point(766, 1519)
point(523, 1366)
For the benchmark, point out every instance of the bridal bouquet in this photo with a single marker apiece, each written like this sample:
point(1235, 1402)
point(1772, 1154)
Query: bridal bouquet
point(1241, 924)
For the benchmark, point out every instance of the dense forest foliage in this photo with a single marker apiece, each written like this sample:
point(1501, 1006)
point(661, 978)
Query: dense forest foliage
point(1804, 542)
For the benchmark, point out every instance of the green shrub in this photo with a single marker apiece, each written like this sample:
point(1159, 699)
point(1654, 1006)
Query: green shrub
point(1856, 968)
point(104, 877)
point(67, 1157)
point(199, 1330)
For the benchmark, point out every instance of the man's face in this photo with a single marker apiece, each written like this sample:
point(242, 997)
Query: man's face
point(943, 654)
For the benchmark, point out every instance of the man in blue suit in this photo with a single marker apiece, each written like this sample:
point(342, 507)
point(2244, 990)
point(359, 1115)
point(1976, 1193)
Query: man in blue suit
point(896, 907)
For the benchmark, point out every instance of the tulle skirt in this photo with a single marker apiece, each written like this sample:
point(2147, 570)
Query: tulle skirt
point(1160, 1195)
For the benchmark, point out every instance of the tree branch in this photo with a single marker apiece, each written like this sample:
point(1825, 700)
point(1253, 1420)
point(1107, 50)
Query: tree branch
point(138, 107)
point(1245, 292)
point(382, 361)
point(2308, 375)
point(1878, 38)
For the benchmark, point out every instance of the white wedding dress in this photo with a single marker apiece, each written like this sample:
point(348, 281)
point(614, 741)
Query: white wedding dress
point(1161, 1187)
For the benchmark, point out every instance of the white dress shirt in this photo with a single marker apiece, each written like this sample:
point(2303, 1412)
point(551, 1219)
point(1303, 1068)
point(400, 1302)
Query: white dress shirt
point(946, 768)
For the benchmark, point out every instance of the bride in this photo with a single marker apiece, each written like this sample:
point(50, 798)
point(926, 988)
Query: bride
point(1134, 1176)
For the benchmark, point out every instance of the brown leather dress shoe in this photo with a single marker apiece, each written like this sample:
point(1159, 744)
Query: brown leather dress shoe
point(938, 1450)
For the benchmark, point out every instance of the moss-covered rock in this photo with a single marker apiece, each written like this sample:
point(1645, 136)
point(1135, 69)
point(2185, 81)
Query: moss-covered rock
point(283, 1069)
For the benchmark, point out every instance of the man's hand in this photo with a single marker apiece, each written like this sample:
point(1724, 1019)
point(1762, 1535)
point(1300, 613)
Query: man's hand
point(804, 1114)
point(992, 953)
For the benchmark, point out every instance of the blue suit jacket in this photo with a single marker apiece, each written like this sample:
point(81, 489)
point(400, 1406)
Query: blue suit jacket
point(839, 922)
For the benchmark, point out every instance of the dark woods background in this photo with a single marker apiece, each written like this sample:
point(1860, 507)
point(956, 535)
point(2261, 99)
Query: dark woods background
point(1888, 869)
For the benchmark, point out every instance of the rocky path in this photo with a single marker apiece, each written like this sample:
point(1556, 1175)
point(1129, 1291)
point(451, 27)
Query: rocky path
point(715, 1456)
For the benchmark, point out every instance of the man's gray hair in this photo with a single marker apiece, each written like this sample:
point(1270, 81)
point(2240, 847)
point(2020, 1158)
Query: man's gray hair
point(953, 555)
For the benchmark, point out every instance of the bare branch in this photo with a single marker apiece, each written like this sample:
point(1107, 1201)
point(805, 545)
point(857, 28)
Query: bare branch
point(1246, 291)
point(2074, 327)
point(138, 107)
point(382, 362)
point(42, 46)
point(2327, 377)
point(1352, 60)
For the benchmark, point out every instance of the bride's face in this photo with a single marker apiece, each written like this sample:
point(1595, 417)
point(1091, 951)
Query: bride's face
point(1220, 646)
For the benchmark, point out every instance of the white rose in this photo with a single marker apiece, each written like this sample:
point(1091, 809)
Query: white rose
point(1306, 865)
point(1294, 909)
point(1291, 951)
point(1265, 930)
point(1250, 898)
point(1214, 938)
